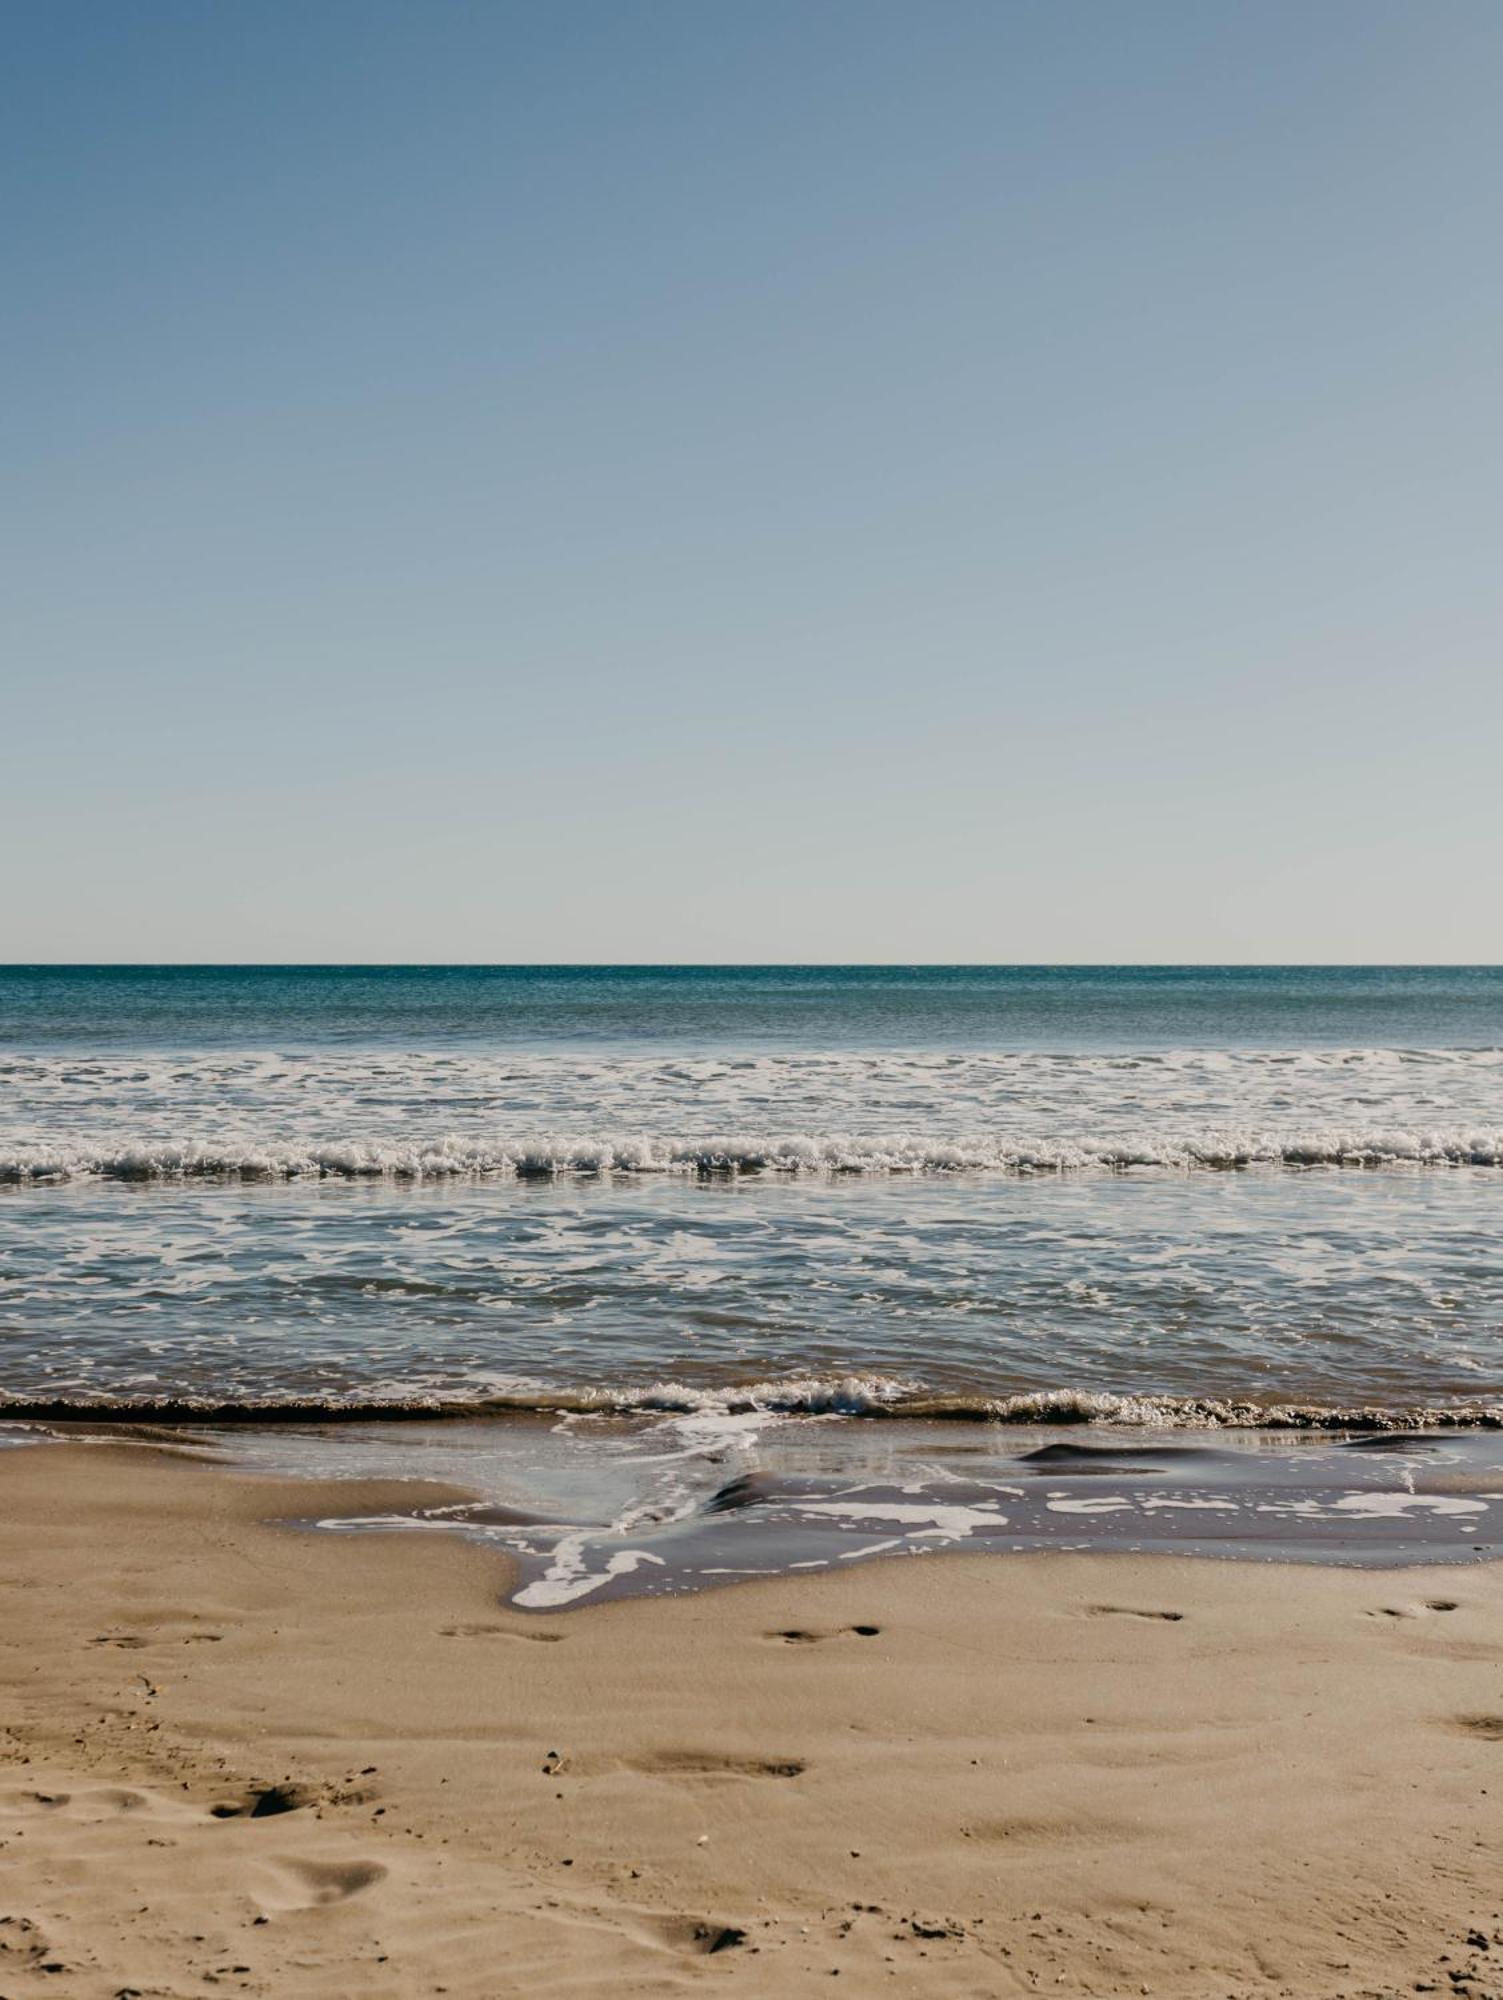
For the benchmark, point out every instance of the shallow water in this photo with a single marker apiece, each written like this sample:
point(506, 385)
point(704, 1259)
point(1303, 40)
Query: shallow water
point(1304, 1288)
point(589, 1508)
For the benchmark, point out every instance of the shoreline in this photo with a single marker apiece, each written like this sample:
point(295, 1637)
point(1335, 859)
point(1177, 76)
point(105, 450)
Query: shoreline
point(603, 1507)
point(852, 1399)
point(292, 1763)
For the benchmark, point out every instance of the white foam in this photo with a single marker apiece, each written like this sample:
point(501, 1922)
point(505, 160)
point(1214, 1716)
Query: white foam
point(244, 1158)
point(924, 1519)
point(1390, 1506)
point(569, 1577)
point(374, 1114)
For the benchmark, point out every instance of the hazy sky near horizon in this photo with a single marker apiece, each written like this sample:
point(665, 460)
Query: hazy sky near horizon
point(641, 479)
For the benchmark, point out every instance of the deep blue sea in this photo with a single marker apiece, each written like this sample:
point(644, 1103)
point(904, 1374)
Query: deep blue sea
point(987, 1008)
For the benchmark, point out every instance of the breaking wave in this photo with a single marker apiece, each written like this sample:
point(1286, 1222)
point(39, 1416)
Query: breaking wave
point(448, 1158)
point(855, 1397)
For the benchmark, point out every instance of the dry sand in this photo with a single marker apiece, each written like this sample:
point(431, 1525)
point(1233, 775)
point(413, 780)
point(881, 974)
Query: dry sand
point(240, 1757)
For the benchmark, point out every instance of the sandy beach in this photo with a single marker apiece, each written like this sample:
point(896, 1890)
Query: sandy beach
point(244, 1756)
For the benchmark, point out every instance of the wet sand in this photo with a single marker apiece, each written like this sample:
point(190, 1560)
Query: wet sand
point(244, 1758)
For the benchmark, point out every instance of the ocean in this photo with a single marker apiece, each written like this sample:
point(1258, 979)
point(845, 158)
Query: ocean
point(604, 1217)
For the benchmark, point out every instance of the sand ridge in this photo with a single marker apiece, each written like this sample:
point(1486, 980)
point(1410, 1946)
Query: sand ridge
point(238, 1757)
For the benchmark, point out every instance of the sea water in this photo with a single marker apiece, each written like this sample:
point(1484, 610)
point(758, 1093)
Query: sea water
point(1177, 1197)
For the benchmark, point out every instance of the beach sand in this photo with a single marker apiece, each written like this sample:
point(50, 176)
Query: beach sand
point(239, 1757)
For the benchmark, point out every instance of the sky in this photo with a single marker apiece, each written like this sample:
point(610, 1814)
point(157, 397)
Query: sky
point(838, 481)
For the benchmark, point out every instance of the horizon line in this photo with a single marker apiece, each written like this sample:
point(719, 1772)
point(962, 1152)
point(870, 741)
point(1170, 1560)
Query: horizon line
point(748, 965)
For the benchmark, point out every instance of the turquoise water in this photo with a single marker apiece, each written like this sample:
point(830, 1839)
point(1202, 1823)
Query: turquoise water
point(1130, 1190)
point(981, 1007)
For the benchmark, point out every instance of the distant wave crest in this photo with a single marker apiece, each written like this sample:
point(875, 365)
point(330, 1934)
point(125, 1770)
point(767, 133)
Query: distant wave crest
point(451, 1158)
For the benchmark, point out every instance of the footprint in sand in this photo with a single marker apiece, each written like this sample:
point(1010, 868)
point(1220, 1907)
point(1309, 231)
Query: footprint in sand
point(1488, 1727)
point(111, 1799)
point(310, 1885)
point(133, 1642)
point(264, 1802)
point(92, 1804)
point(1133, 1611)
point(1415, 1610)
point(1053, 1831)
point(693, 1935)
point(797, 1635)
point(498, 1632)
point(708, 1764)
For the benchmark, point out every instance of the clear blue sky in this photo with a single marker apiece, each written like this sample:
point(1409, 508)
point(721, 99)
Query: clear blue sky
point(649, 479)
